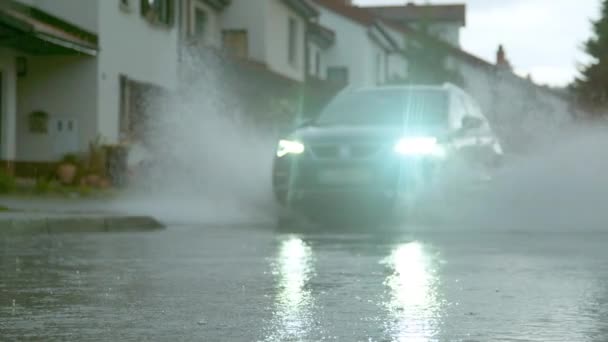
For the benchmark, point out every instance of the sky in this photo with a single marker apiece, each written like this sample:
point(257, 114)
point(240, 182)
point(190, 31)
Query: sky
point(542, 38)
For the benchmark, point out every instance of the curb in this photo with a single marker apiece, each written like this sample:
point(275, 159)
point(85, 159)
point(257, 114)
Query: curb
point(79, 224)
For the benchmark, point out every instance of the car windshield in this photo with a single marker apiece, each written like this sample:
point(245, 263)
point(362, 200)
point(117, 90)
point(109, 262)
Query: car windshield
point(388, 107)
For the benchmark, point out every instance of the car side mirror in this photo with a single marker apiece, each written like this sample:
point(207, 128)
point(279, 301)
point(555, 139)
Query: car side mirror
point(470, 122)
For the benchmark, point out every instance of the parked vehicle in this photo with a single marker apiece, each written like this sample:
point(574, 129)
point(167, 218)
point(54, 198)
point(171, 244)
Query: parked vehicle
point(376, 147)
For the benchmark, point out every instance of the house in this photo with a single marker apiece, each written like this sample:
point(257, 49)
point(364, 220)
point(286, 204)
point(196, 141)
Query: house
point(73, 61)
point(440, 21)
point(200, 22)
point(271, 33)
point(319, 40)
point(364, 53)
point(390, 32)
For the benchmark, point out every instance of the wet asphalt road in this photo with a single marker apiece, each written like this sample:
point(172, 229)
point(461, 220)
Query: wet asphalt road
point(260, 284)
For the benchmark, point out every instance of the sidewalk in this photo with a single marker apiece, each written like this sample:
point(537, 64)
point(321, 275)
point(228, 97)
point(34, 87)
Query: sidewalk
point(40, 215)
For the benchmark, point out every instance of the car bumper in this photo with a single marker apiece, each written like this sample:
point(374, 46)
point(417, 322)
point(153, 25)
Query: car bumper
point(299, 182)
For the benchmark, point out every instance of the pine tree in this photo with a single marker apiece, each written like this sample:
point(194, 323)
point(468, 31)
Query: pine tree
point(591, 87)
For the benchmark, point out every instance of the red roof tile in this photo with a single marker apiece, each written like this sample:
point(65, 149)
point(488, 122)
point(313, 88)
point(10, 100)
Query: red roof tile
point(412, 12)
point(357, 14)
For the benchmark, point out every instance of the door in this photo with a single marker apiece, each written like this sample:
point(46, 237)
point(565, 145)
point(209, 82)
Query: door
point(236, 43)
point(65, 136)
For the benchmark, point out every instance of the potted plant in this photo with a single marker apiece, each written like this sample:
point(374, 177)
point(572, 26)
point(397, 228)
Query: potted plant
point(66, 171)
point(38, 122)
point(95, 163)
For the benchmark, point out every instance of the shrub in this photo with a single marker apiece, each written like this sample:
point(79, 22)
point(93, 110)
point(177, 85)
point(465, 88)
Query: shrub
point(7, 182)
point(42, 186)
point(70, 158)
point(96, 158)
point(85, 191)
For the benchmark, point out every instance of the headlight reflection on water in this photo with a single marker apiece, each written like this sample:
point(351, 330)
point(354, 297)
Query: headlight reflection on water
point(414, 302)
point(293, 269)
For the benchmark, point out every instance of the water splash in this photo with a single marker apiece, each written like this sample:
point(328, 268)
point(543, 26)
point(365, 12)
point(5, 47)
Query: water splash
point(555, 188)
point(208, 159)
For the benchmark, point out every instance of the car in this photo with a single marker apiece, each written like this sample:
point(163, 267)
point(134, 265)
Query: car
point(372, 148)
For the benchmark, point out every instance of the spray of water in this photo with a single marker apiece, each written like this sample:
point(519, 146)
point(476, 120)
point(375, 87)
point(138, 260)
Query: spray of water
point(210, 162)
point(207, 158)
point(559, 187)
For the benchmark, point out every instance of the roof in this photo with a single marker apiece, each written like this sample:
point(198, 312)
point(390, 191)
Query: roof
point(366, 16)
point(421, 36)
point(356, 14)
point(417, 13)
point(302, 7)
point(35, 32)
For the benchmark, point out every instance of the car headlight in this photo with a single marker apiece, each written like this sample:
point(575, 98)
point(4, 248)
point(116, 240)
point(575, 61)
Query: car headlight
point(420, 146)
point(289, 147)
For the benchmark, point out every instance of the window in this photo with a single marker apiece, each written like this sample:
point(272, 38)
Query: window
point(125, 5)
point(337, 75)
point(200, 23)
point(235, 43)
point(293, 42)
point(159, 11)
point(388, 107)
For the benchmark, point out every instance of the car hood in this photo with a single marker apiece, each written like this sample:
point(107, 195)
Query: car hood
point(342, 134)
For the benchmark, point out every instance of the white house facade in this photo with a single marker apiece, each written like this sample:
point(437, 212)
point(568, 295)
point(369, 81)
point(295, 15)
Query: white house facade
point(200, 22)
point(79, 64)
point(440, 21)
point(319, 40)
point(71, 65)
point(363, 53)
point(270, 32)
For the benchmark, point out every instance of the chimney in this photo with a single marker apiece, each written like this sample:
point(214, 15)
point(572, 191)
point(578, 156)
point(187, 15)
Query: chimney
point(501, 58)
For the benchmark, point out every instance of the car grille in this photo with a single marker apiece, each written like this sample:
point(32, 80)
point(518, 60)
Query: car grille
point(345, 151)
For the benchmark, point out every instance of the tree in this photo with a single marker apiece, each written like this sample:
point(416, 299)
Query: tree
point(591, 87)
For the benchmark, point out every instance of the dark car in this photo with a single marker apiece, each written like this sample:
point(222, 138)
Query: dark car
point(371, 148)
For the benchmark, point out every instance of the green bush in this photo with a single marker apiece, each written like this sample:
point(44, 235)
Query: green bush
point(85, 191)
point(71, 158)
point(42, 186)
point(7, 182)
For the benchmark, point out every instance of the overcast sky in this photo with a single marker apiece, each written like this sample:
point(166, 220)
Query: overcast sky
point(541, 37)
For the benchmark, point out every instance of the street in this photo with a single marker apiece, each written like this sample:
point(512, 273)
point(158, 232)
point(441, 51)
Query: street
point(256, 283)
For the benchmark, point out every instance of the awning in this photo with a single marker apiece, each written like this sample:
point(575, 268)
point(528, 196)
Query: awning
point(321, 35)
point(25, 31)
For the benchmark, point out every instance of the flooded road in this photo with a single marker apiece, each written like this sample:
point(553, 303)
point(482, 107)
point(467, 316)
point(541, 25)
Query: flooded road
point(259, 284)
